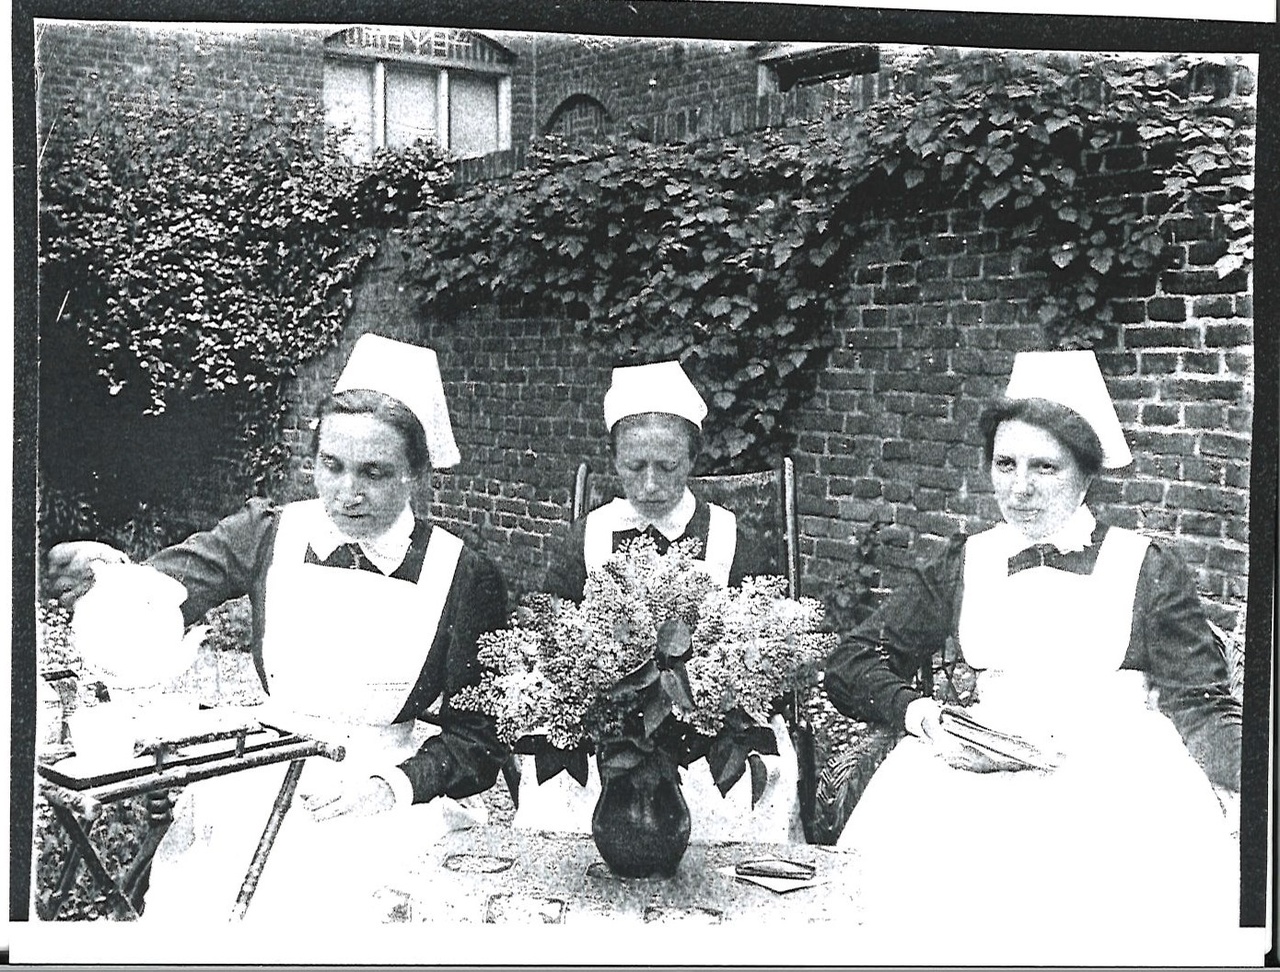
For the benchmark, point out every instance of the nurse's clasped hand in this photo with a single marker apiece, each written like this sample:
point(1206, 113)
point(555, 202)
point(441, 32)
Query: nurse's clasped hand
point(923, 719)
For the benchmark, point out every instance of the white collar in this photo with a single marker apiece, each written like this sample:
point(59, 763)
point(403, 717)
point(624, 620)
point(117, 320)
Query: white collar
point(671, 526)
point(1075, 534)
point(387, 550)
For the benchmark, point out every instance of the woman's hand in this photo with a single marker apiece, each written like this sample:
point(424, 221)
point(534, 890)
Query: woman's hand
point(363, 798)
point(69, 568)
point(924, 720)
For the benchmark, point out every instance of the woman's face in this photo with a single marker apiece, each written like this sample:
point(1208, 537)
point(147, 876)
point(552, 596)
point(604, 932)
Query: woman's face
point(652, 460)
point(1037, 481)
point(362, 473)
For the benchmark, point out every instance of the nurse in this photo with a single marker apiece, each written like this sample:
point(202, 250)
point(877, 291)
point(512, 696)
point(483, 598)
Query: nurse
point(654, 416)
point(1088, 640)
point(365, 620)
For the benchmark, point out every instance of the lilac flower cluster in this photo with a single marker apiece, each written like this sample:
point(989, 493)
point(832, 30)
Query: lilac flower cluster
point(752, 645)
point(550, 672)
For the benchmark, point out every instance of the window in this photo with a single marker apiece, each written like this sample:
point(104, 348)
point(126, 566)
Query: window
point(787, 66)
point(388, 87)
point(579, 115)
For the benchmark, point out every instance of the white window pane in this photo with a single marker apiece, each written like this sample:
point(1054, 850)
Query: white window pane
point(348, 103)
point(411, 106)
point(473, 114)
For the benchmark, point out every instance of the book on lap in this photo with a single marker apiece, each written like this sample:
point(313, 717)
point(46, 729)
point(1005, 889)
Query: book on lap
point(1000, 746)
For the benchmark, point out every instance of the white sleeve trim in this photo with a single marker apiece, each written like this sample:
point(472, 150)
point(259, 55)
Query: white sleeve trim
point(914, 715)
point(400, 784)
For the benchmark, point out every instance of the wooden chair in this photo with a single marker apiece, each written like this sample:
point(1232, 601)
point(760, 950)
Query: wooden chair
point(847, 752)
point(765, 504)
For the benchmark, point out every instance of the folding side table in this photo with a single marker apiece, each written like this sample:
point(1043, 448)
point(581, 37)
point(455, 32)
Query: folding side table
point(209, 744)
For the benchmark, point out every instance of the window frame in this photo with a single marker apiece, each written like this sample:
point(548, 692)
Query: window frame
point(442, 70)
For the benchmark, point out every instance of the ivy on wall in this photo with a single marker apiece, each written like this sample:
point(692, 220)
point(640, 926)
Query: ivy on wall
point(1046, 144)
point(190, 252)
point(734, 254)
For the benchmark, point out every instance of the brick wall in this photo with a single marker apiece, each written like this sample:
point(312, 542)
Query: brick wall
point(699, 86)
point(525, 398)
point(890, 435)
point(617, 71)
point(673, 89)
point(702, 87)
point(76, 60)
point(941, 306)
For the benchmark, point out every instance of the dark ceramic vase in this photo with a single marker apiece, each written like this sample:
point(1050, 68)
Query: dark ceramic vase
point(641, 824)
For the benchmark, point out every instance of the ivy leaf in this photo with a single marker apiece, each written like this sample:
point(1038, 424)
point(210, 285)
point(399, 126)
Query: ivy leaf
point(1228, 263)
point(720, 307)
point(992, 196)
point(999, 163)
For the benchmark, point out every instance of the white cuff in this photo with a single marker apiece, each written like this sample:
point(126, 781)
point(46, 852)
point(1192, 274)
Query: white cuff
point(400, 784)
point(913, 717)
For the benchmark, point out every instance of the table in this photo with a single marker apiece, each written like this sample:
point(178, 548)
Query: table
point(496, 875)
point(208, 744)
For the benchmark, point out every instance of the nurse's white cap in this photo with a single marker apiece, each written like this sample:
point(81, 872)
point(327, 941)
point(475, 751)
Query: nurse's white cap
point(410, 373)
point(1074, 380)
point(660, 387)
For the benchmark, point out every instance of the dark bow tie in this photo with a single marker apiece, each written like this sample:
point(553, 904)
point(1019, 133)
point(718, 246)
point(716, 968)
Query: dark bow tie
point(344, 555)
point(660, 542)
point(1047, 555)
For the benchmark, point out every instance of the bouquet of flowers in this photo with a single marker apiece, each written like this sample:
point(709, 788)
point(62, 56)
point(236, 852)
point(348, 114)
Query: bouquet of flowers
point(656, 659)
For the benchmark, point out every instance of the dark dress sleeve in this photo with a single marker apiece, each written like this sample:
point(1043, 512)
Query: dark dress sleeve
point(868, 676)
point(566, 574)
point(222, 563)
point(465, 757)
point(1171, 641)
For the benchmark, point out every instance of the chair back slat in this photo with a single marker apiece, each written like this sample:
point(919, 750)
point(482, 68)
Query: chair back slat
point(1233, 654)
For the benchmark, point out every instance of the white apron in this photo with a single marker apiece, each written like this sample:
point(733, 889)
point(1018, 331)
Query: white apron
point(1125, 834)
point(339, 667)
point(614, 517)
point(563, 805)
